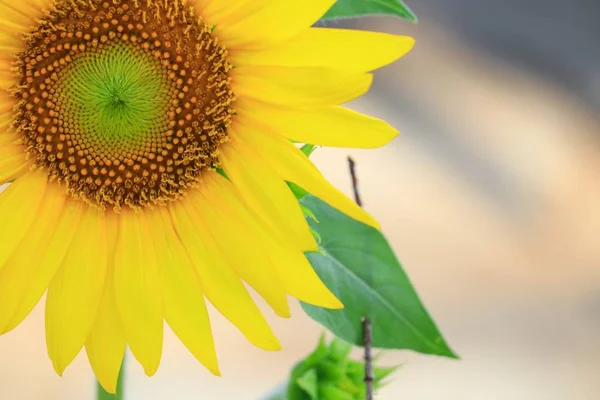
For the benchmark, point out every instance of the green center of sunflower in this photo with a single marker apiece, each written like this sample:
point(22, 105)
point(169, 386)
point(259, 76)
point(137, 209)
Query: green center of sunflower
point(117, 97)
point(125, 103)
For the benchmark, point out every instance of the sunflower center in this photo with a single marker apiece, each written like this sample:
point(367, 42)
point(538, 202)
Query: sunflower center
point(117, 97)
point(125, 103)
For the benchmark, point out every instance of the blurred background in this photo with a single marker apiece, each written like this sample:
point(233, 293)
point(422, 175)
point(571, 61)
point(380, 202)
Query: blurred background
point(490, 197)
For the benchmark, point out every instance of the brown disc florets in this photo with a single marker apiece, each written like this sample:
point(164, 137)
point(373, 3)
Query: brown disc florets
point(123, 102)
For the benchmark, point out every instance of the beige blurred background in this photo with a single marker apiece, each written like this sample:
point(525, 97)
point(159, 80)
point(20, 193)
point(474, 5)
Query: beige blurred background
point(490, 197)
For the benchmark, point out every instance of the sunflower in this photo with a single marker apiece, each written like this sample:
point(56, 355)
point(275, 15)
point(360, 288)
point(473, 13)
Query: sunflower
point(148, 144)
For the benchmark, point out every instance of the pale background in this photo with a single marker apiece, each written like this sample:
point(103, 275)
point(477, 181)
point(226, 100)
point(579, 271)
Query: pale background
point(490, 197)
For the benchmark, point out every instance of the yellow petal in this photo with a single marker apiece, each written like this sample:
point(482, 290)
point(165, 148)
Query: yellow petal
point(293, 166)
point(20, 269)
point(112, 228)
point(12, 167)
point(224, 13)
point(299, 86)
point(301, 280)
point(220, 284)
point(10, 43)
point(6, 106)
point(332, 126)
point(16, 19)
point(343, 49)
point(267, 194)
point(13, 15)
point(13, 160)
point(76, 291)
point(276, 22)
point(18, 209)
point(295, 272)
point(26, 12)
point(7, 77)
point(106, 343)
point(185, 308)
point(241, 246)
point(61, 238)
point(138, 290)
point(105, 346)
point(7, 136)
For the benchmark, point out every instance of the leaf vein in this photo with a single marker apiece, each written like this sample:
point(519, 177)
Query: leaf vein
point(382, 299)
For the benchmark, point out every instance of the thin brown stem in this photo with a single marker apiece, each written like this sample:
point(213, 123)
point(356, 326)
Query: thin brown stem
point(366, 323)
point(369, 378)
point(354, 177)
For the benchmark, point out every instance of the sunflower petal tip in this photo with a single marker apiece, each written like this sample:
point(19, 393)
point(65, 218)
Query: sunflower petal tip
point(276, 346)
point(337, 305)
point(330, 301)
point(215, 370)
point(59, 368)
point(369, 220)
point(404, 45)
point(282, 309)
point(109, 387)
point(150, 370)
point(389, 136)
point(270, 344)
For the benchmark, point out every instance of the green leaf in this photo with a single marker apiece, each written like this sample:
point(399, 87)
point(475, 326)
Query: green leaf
point(314, 358)
point(332, 392)
point(355, 370)
point(357, 264)
point(294, 391)
point(360, 8)
point(222, 173)
point(297, 190)
point(339, 350)
point(332, 370)
point(308, 213)
point(309, 383)
point(308, 149)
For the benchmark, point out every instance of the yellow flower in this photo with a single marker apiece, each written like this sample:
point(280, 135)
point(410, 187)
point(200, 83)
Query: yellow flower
point(114, 118)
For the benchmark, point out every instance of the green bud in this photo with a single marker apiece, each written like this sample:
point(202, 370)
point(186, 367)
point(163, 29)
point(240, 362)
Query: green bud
point(328, 373)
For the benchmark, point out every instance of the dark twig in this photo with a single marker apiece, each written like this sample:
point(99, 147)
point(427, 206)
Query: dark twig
point(366, 324)
point(369, 378)
point(352, 165)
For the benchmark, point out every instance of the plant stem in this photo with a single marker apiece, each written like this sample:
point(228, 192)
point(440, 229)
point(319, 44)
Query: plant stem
point(354, 177)
point(366, 324)
point(368, 358)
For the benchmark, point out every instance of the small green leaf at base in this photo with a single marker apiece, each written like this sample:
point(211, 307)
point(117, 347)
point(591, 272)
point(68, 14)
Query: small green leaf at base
point(357, 264)
point(309, 383)
point(361, 8)
point(328, 373)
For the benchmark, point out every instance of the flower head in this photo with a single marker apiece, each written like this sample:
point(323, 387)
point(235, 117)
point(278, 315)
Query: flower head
point(114, 118)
